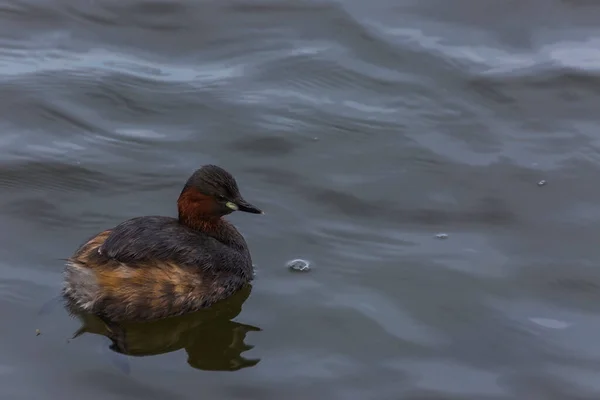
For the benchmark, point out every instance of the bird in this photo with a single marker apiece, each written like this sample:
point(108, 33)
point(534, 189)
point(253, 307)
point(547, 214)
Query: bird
point(153, 267)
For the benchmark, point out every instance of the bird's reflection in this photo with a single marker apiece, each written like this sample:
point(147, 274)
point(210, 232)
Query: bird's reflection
point(211, 339)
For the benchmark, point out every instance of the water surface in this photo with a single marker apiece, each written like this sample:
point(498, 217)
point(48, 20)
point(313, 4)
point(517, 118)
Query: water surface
point(363, 129)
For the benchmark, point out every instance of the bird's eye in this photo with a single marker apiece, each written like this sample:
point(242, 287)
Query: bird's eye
point(221, 197)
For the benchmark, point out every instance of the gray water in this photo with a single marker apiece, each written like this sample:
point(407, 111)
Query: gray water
point(363, 129)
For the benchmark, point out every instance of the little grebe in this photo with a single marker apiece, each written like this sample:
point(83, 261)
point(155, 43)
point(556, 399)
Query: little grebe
point(153, 267)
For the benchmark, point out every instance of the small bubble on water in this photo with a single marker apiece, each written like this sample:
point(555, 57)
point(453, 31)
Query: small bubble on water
point(298, 265)
point(441, 236)
point(541, 183)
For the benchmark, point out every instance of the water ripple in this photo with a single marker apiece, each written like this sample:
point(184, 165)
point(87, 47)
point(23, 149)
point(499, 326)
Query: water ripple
point(363, 128)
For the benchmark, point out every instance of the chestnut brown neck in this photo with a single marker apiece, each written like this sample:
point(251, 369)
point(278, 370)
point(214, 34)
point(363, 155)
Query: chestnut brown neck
point(199, 212)
point(196, 209)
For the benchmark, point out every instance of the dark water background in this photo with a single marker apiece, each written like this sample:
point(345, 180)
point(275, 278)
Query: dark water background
point(363, 129)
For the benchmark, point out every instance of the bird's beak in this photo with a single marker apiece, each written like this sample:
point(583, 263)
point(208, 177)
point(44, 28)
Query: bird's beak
point(243, 205)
